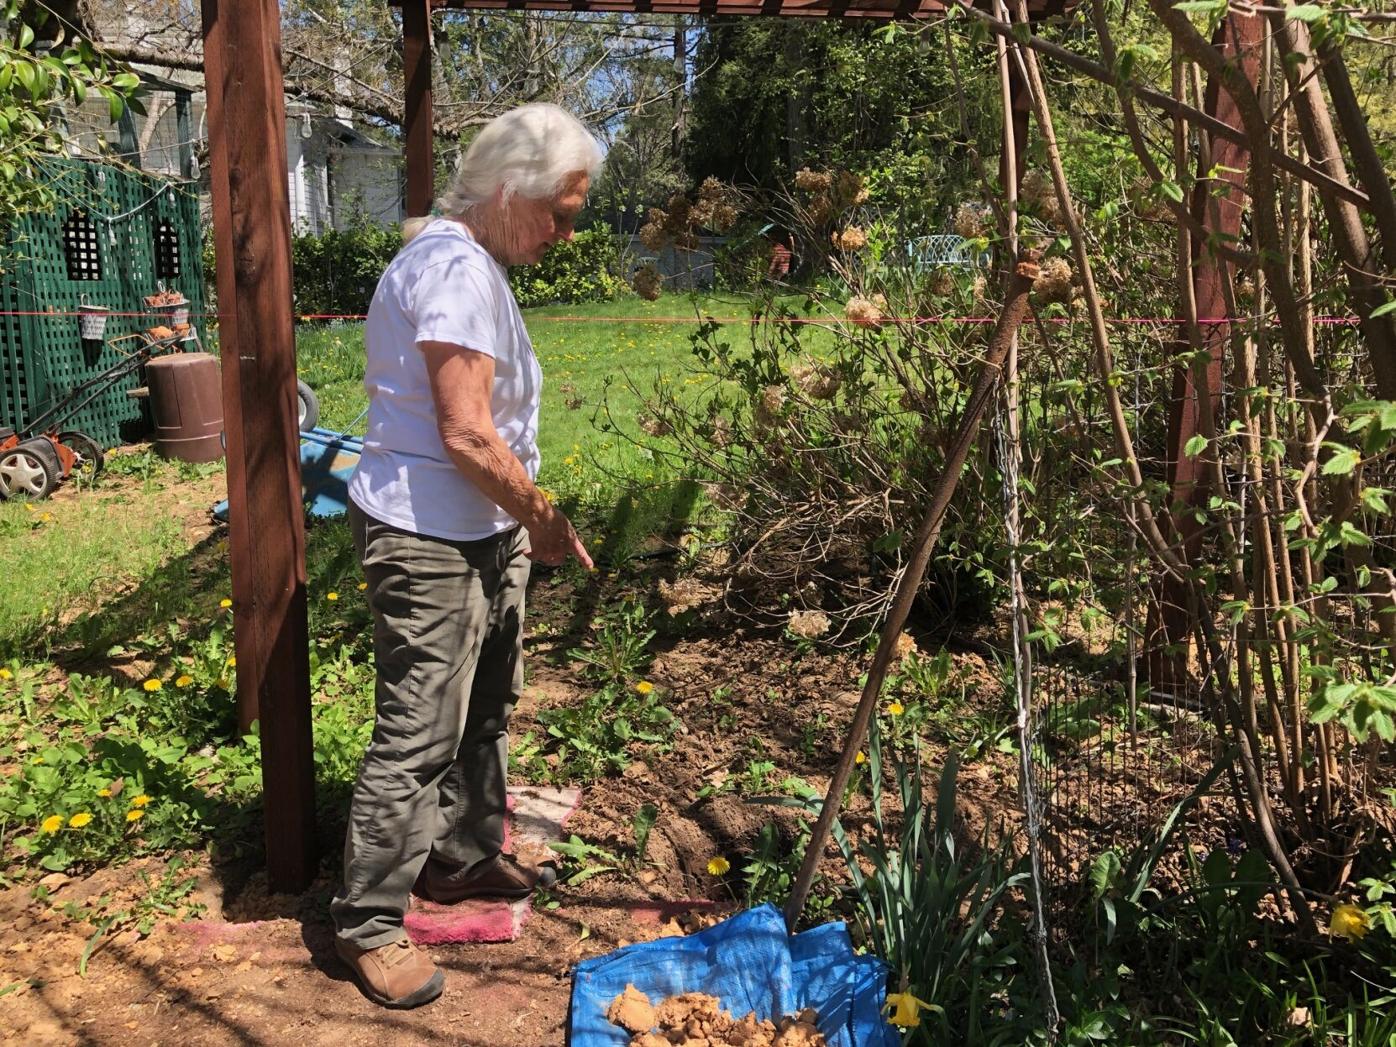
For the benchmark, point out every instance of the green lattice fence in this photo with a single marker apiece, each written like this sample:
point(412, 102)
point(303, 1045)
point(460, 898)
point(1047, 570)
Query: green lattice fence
point(114, 237)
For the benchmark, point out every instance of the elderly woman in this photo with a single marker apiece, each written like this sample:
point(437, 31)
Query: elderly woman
point(446, 518)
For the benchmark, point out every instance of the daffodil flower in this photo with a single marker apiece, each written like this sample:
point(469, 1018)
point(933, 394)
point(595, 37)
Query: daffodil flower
point(1348, 921)
point(906, 1009)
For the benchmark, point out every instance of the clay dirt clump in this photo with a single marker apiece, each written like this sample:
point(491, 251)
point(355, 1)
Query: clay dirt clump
point(695, 1019)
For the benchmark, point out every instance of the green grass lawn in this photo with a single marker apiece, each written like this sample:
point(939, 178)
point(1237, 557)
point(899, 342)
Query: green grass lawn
point(65, 557)
point(591, 353)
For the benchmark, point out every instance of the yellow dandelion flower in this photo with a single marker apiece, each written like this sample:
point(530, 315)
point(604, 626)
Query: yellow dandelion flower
point(140, 801)
point(80, 819)
point(184, 680)
point(52, 823)
point(363, 586)
point(38, 759)
point(862, 757)
point(232, 660)
point(332, 596)
point(225, 603)
point(134, 815)
point(718, 866)
point(1348, 921)
point(152, 685)
point(906, 1009)
point(5, 674)
point(896, 708)
point(104, 793)
point(644, 687)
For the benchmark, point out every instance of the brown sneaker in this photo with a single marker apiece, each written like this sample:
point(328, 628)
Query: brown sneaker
point(395, 975)
point(502, 876)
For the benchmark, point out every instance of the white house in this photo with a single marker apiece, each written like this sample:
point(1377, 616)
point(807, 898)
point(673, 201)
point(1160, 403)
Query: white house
point(336, 173)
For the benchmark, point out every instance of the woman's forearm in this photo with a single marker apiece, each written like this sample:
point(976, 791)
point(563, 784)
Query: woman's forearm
point(486, 461)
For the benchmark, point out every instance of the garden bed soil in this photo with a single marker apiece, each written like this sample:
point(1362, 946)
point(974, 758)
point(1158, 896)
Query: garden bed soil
point(260, 968)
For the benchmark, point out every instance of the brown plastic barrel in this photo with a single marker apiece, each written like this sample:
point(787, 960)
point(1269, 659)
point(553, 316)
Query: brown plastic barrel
point(186, 402)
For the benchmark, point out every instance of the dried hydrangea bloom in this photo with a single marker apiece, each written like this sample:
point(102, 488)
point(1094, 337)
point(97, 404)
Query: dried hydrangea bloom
point(971, 220)
point(808, 625)
point(685, 594)
point(772, 400)
point(1038, 193)
point(1053, 283)
point(679, 206)
point(647, 283)
point(865, 312)
point(904, 647)
point(820, 210)
point(653, 236)
point(849, 189)
point(724, 216)
point(851, 239)
point(712, 189)
point(722, 432)
point(813, 181)
point(815, 380)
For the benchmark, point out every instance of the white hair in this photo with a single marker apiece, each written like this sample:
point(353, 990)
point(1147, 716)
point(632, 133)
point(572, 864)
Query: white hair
point(530, 151)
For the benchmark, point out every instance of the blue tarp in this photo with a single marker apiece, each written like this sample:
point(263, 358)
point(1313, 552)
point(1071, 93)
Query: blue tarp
point(327, 462)
point(749, 963)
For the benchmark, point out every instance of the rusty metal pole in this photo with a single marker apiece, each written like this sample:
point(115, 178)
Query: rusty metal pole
point(256, 334)
point(1220, 212)
point(416, 118)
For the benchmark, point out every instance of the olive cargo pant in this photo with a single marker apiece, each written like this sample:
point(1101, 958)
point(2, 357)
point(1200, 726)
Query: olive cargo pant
point(447, 644)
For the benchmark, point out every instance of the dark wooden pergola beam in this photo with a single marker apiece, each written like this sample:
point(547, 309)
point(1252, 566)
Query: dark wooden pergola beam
point(416, 49)
point(257, 342)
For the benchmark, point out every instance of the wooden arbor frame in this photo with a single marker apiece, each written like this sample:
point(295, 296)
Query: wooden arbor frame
point(252, 231)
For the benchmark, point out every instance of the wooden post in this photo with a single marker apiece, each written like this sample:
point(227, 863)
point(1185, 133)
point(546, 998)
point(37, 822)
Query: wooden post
point(1239, 37)
point(416, 119)
point(266, 520)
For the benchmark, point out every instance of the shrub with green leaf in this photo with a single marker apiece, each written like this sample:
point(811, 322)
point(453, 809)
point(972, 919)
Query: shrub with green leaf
point(583, 269)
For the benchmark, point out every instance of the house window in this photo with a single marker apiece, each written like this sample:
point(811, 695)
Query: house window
point(80, 248)
point(166, 251)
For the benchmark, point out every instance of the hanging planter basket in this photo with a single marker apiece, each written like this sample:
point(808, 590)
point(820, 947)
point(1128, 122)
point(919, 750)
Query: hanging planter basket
point(172, 306)
point(92, 321)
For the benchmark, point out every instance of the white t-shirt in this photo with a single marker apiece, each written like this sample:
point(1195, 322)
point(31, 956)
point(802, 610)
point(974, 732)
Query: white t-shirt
point(442, 287)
